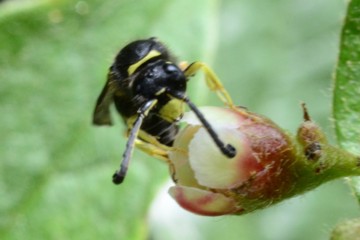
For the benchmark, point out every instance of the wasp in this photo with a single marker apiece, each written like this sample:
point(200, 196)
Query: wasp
point(148, 90)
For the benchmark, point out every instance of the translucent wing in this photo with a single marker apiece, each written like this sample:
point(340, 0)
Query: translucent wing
point(102, 109)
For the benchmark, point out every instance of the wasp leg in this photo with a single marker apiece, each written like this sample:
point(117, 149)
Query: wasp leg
point(119, 175)
point(153, 141)
point(152, 150)
point(157, 150)
point(147, 138)
point(212, 81)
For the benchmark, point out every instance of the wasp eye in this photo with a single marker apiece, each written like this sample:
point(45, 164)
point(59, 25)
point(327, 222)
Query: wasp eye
point(170, 68)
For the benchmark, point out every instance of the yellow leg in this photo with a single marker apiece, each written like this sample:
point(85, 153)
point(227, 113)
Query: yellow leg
point(155, 149)
point(212, 81)
point(153, 141)
point(152, 150)
point(150, 145)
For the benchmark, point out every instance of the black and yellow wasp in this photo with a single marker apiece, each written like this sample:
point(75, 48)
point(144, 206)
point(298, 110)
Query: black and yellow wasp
point(149, 92)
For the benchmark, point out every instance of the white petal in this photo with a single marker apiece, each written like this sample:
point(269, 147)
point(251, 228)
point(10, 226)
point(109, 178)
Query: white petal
point(179, 156)
point(211, 167)
point(215, 116)
point(202, 202)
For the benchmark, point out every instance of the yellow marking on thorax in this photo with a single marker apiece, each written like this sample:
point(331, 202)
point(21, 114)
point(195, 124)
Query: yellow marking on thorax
point(132, 68)
point(173, 110)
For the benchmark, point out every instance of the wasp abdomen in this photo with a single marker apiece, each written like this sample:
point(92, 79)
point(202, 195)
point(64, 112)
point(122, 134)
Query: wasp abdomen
point(163, 130)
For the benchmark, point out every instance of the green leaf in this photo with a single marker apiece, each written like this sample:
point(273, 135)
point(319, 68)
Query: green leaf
point(346, 104)
point(55, 168)
point(347, 82)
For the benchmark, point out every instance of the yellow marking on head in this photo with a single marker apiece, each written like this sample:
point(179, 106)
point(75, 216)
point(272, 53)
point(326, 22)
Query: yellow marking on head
point(132, 68)
point(173, 110)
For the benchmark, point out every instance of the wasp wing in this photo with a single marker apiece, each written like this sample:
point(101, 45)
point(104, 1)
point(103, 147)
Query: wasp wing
point(102, 109)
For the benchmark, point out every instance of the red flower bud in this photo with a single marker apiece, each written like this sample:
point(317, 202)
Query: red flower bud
point(269, 165)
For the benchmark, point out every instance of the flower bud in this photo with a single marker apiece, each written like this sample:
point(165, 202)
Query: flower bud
point(269, 165)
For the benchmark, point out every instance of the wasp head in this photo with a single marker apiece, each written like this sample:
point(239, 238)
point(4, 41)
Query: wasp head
point(159, 78)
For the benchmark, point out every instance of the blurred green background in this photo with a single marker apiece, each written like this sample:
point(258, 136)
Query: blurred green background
point(55, 168)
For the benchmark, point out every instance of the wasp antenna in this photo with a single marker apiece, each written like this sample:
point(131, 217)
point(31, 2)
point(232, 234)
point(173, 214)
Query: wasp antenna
point(228, 150)
point(119, 175)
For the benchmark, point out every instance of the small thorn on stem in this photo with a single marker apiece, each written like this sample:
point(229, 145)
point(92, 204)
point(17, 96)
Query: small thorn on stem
point(306, 113)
